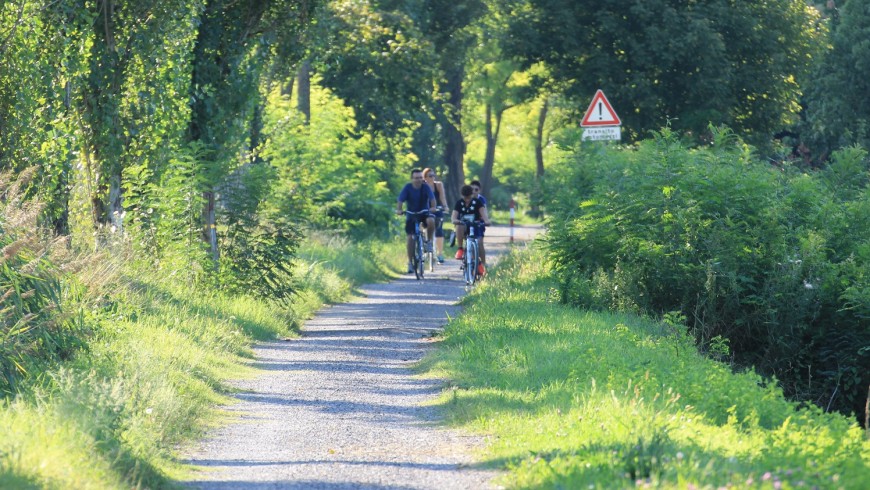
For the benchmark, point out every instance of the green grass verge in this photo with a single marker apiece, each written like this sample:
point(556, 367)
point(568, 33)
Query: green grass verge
point(155, 369)
point(579, 399)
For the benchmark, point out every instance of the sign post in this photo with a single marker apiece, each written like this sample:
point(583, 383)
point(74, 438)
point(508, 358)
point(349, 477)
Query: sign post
point(513, 206)
point(601, 122)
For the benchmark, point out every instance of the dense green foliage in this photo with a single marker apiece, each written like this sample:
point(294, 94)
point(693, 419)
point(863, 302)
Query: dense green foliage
point(580, 399)
point(323, 178)
point(137, 112)
point(378, 61)
point(767, 263)
point(712, 61)
point(838, 114)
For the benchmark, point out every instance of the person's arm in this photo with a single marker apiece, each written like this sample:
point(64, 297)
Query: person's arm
point(432, 203)
point(454, 218)
point(442, 195)
point(403, 196)
point(484, 215)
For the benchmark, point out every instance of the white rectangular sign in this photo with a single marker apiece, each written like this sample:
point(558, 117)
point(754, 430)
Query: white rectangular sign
point(603, 133)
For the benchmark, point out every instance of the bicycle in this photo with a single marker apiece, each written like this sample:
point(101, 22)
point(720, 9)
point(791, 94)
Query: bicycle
point(471, 261)
point(420, 245)
point(429, 252)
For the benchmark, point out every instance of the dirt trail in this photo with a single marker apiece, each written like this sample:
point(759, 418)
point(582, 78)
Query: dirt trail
point(340, 407)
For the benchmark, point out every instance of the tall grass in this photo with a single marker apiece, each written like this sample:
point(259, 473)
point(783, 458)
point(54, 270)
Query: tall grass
point(580, 399)
point(154, 353)
point(39, 323)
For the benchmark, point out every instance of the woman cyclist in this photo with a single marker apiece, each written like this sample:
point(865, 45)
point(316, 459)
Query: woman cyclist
point(440, 200)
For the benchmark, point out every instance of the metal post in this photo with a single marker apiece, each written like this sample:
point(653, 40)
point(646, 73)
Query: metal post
point(513, 213)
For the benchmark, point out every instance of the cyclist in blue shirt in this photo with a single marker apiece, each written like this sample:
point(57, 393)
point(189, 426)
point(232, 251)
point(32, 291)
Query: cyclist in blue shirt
point(475, 189)
point(419, 197)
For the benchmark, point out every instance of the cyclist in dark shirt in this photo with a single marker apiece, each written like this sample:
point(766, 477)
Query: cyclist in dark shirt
point(469, 207)
point(419, 197)
point(475, 188)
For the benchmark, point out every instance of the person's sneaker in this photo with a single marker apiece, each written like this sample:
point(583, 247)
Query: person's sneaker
point(440, 259)
point(460, 254)
point(481, 270)
point(410, 267)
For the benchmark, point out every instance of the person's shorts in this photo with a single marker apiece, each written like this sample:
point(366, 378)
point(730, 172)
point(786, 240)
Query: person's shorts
point(479, 228)
point(409, 222)
point(439, 224)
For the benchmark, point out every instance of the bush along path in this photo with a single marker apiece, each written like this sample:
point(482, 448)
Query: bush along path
point(341, 407)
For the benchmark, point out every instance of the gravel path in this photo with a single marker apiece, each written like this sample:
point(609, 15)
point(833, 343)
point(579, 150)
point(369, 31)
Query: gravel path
point(340, 407)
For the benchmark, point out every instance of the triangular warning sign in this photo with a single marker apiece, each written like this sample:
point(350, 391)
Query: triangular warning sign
point(600, 113)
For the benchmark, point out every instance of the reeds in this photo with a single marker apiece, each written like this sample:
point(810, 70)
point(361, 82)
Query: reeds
point(38, 295)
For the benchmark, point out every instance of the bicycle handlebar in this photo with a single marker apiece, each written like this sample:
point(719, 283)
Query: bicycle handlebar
point(471, 222)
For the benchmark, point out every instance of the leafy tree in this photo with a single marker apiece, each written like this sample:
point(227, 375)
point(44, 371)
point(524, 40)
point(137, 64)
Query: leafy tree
point(669, 61)
point(448, 25)
point(322, 179)
point(41, 71)
point(133, 101)
point(497, 83)
point(378, 61)
point(838, 112)
point(234, 43)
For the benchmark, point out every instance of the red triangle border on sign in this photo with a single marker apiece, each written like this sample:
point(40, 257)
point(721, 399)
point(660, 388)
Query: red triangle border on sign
point(599, 97)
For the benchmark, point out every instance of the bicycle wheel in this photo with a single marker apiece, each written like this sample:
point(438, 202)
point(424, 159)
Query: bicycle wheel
point(470, 251)
point(430, 258)
point(418, 257)
point(475, 261)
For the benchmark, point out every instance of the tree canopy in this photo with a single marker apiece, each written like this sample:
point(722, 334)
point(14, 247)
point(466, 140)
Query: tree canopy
point(672, 62)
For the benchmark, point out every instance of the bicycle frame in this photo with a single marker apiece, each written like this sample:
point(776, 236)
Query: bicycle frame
point(419, 250)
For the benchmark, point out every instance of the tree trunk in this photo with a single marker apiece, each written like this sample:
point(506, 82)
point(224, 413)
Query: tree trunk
point(61, 220)
point(539, 140)
point(539, 161)
point(116, 211)
point(217, 50)
point(101, 110)
point(486, 180)
point(208, 213)
point(454, 150)
point(287, 87)
point(256, 131)
point(303, 95)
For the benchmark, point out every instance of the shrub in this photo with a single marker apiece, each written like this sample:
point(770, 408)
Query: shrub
point(770, 258)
